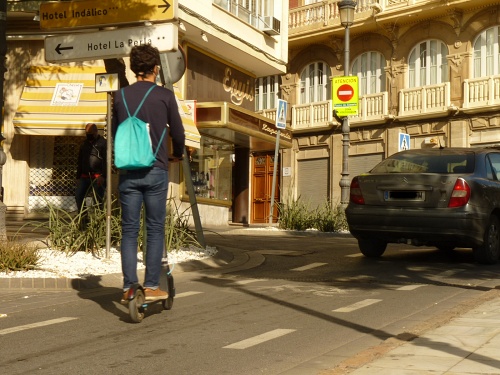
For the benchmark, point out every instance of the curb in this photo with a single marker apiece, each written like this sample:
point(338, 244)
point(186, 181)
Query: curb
point(226, 260)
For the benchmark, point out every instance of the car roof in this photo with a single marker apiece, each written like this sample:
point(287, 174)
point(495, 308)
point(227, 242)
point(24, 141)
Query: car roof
point(451, 150)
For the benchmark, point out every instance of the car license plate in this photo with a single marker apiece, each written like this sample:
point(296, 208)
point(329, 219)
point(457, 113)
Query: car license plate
point(404, 195)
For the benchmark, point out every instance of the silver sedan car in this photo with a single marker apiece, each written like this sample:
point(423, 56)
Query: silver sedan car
point(446, 197)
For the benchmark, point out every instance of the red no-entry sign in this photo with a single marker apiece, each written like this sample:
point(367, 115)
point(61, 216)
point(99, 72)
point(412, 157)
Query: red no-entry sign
point(345, 93)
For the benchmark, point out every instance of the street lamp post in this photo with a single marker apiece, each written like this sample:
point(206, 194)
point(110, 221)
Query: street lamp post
point(346, 9)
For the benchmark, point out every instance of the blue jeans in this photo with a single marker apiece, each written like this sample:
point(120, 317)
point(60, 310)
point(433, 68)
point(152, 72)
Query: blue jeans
point(148, 187)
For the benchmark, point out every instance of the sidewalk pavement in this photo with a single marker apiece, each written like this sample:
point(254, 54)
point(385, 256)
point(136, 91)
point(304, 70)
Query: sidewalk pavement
point(465, 341)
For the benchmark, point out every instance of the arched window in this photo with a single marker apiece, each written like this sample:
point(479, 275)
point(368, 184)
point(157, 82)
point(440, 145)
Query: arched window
point(486, 53)
point(315, 83)
point(266, 92)
point(428, 64)
point(369, 67)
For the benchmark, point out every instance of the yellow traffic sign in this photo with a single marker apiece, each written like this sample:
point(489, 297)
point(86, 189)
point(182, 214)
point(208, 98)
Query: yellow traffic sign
point(78, 14)
point(345, 95)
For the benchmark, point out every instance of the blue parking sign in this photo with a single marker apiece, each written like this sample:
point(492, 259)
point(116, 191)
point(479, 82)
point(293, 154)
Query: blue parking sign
point(281, 114)
point(404, 142)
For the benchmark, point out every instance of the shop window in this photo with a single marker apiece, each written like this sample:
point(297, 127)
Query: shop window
point(428, 64)
point(266, 92)
point(53, 162)
point(211, 170)
point(369, 67)
point(487, 53)
point(315, 83)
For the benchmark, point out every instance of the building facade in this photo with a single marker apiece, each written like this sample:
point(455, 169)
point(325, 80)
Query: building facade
point(426, 68)
point(226, 46)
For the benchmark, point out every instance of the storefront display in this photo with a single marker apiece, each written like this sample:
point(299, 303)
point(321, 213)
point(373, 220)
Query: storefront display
point(211, 170)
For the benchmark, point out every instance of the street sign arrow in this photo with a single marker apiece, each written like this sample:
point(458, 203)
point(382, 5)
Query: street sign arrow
point(108, 44)
point(166, 6)
point(59, 48)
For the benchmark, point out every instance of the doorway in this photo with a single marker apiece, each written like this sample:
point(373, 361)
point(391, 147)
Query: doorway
point(262, 181)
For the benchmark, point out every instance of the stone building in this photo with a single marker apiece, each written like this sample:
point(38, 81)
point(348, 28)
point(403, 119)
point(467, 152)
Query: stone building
point(427, 69)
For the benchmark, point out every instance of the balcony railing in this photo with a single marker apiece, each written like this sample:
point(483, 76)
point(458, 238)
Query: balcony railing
point(432, 100)
point(373, 108)
point(326, 13)
point(269, 113)
point(481, 92)
point(312, 115)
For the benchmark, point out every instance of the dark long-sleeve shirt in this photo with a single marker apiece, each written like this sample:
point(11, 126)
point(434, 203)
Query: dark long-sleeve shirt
point(159, 110)
point(92, 158)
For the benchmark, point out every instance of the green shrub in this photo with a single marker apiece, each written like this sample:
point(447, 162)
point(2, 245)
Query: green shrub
point(18, 256)
point(330, 218)
point(86, 231)
point(177, 231)
point(294, 214)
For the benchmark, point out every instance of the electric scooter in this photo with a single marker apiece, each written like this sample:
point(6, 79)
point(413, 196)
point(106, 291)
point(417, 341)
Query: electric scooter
point(137, 304)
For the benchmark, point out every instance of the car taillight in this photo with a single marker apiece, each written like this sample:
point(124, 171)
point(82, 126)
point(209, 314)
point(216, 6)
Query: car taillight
point(355, 195)
point(460, 194)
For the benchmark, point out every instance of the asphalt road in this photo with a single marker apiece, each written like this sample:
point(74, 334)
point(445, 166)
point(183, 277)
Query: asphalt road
point(301, 304)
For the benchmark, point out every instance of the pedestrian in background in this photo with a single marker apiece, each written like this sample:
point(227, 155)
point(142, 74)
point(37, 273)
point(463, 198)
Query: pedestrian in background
point(91, 170)
point(147, 186)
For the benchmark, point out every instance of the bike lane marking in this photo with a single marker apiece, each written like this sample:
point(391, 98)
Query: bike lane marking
point(308, 267)
point(35, 325)
point(259, 339)
point(358, 305)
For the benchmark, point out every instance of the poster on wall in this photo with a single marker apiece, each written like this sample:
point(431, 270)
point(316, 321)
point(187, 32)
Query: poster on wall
point(66, 94)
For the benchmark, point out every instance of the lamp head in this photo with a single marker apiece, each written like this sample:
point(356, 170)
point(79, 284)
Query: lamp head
point(346, 9)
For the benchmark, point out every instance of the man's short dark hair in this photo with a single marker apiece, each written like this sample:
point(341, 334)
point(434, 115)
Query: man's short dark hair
point(143, 59)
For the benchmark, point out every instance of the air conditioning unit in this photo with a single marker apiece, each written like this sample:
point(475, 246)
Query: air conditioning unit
point(271, 25)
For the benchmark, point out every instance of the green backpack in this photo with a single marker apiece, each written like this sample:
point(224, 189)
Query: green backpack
point(132, 145)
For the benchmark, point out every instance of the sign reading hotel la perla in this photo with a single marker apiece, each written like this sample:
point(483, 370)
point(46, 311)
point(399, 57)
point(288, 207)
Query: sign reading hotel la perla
point(109, 44)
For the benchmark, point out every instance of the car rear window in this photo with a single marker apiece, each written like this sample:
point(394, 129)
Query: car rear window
point(440, 162)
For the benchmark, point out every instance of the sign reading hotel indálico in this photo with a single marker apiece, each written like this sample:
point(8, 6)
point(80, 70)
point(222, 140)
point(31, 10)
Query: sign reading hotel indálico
point(74, 14)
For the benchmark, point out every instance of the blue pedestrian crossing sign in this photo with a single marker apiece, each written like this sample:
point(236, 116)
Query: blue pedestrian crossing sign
point(404, 142)
point(281, 114)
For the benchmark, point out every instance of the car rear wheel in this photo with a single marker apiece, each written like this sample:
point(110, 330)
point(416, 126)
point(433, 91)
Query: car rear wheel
point(489, 251)
point(372, 248)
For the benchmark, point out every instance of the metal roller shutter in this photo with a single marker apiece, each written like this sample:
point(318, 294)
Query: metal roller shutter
point(363, 163)
point(313, 181)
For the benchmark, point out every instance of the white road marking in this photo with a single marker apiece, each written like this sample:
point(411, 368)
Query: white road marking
point(308, 267)
point(354, 255)
point(409, 287)
point(249, 281)
point(35, 325)
point(358, 305)
point(256, 340)
point(186, 294)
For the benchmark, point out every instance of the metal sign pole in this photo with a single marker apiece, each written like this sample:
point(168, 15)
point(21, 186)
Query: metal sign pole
point(108, 179)
point(275, 167)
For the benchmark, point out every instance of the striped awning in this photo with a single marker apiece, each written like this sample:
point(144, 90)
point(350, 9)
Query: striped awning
point(60, 101)
point(187, 110)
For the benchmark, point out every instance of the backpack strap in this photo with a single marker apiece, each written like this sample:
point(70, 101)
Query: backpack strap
point(140, 104)
point(160, 141)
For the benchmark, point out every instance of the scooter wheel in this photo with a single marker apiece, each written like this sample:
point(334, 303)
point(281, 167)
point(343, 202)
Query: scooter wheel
point(135, 306)
point(168, 303)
